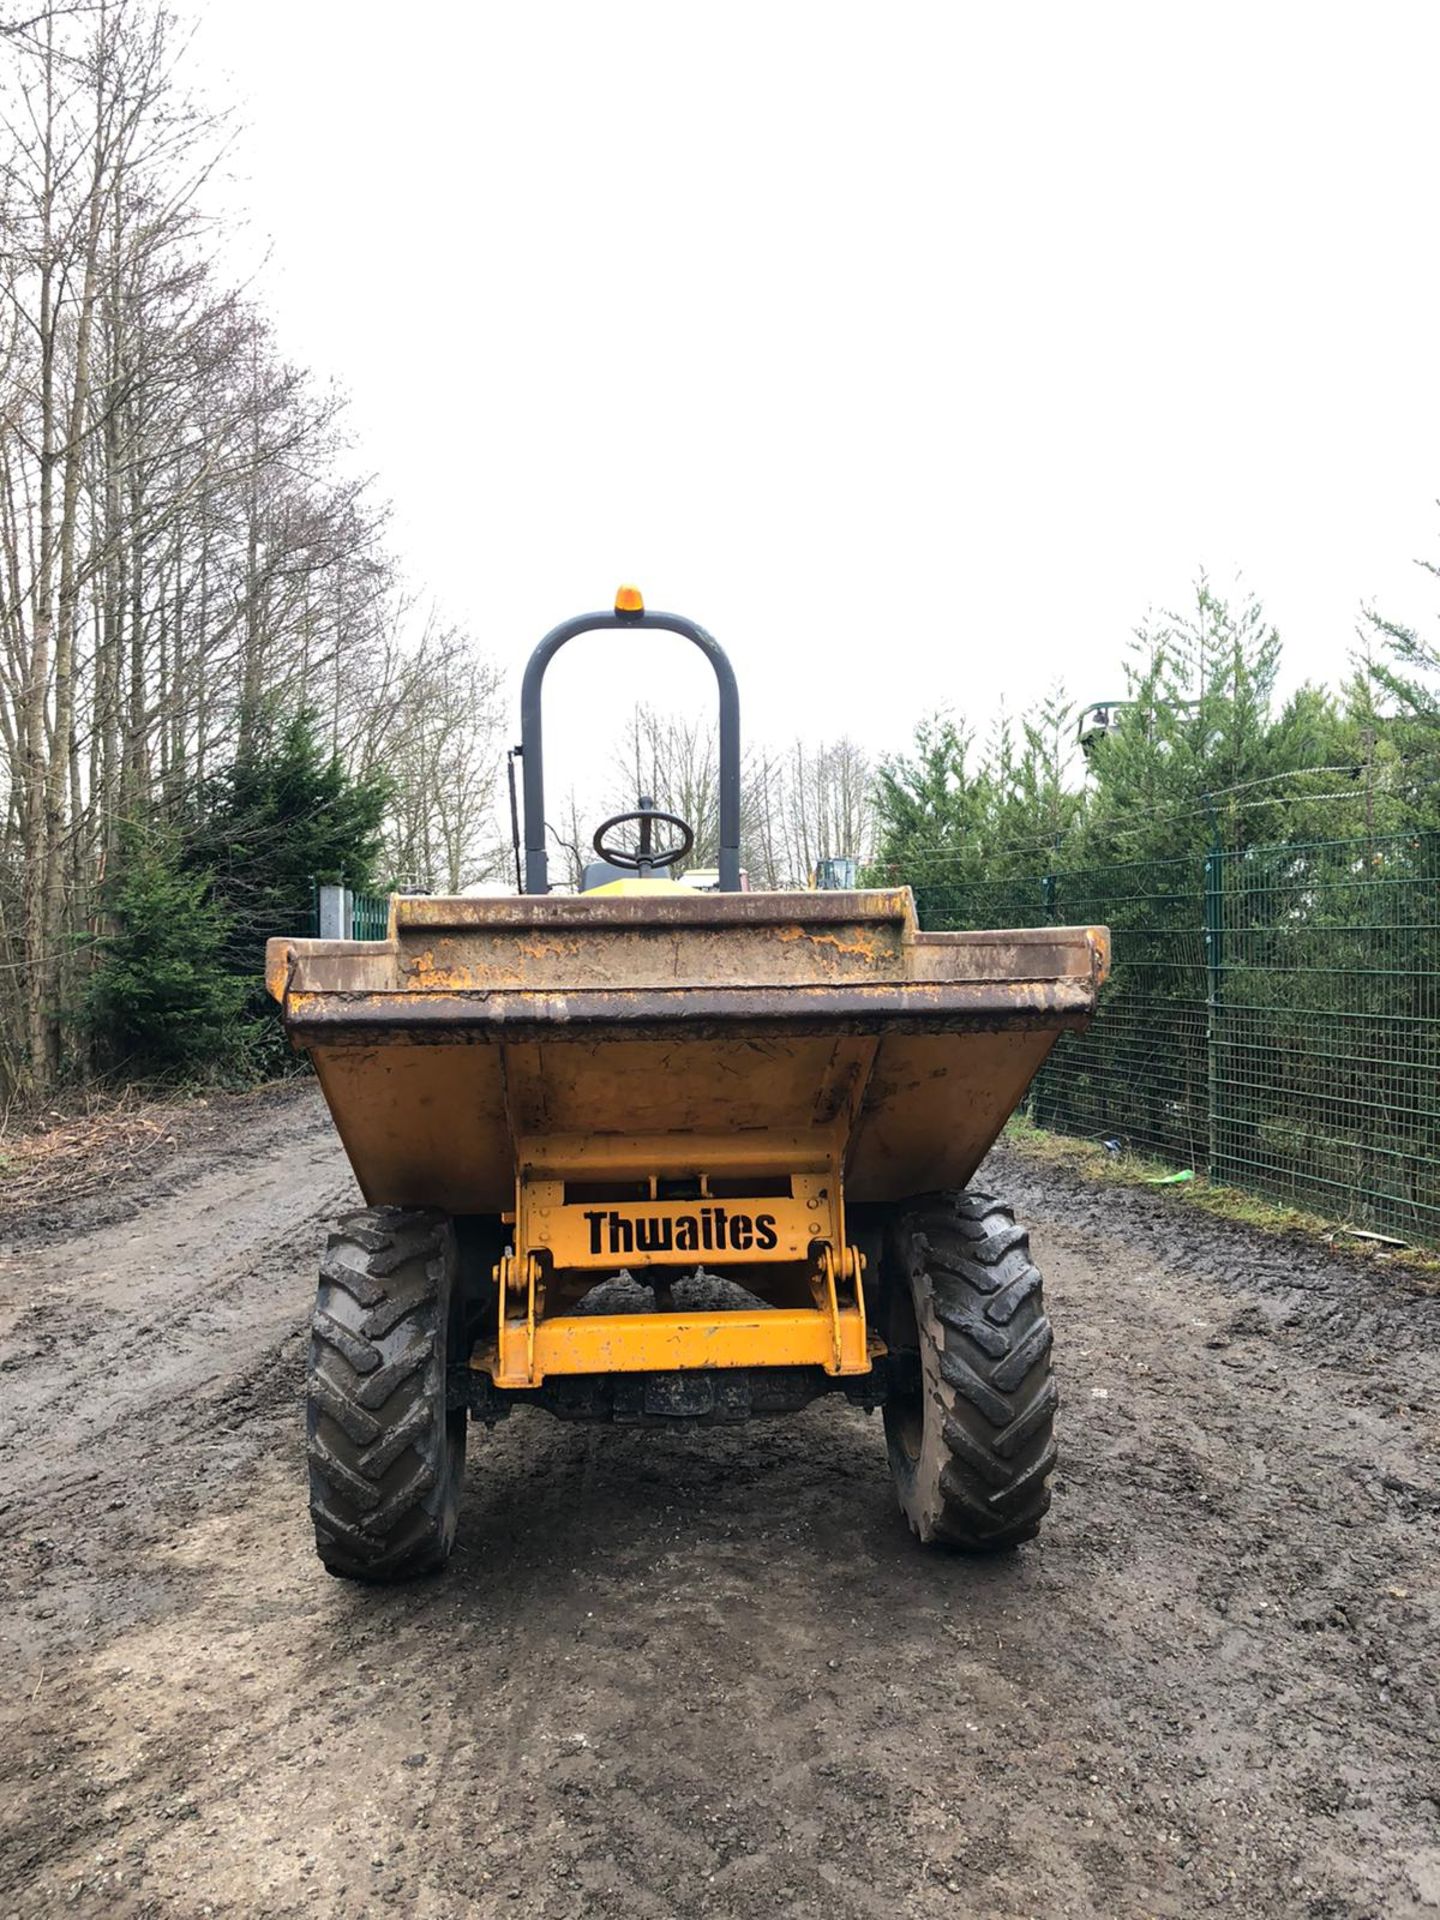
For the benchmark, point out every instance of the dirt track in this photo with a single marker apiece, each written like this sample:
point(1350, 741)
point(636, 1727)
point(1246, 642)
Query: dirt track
point(709, 1673)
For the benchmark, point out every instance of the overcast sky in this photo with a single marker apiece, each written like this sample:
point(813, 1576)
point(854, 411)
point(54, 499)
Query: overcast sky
point(914, 349)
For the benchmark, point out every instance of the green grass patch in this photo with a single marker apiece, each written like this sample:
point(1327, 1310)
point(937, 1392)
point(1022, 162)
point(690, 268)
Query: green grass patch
point(1091, 1161)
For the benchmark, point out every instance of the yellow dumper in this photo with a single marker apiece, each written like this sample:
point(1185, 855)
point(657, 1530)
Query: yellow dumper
point(651, 1154)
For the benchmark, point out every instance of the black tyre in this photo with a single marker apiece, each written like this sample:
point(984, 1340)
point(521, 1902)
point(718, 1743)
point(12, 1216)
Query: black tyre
point(386, 1452)
point(970, 1438)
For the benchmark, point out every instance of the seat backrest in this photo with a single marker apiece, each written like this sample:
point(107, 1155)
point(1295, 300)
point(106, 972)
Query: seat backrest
point(599, 873)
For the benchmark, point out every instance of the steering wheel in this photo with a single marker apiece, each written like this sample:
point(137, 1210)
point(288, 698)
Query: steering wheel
point(643, 860)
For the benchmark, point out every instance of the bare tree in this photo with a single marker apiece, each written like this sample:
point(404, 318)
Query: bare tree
point(186, 551)
point(443, 723)
point(824, 805)
point(796, 810)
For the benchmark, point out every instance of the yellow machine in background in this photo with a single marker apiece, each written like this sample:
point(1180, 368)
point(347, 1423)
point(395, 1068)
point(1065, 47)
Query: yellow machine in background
point(649, 1154)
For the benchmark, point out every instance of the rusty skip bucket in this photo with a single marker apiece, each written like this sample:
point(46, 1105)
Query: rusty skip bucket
point(480, 1024)
point(648, 1082)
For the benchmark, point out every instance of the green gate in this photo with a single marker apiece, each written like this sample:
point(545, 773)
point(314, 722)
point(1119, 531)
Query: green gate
point(368, 913)
point(370, 916)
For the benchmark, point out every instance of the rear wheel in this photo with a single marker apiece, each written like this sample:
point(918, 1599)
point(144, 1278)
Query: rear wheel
point(386, 1451)
point(970, 1434)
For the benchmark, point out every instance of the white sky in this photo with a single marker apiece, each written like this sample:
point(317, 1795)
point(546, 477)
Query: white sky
point(914, 349)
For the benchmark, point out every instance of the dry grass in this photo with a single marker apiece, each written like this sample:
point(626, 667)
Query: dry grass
point(106, 1139)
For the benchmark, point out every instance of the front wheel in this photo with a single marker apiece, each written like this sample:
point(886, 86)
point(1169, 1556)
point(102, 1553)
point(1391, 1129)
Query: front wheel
point(386, 1450)
point(970, 1435)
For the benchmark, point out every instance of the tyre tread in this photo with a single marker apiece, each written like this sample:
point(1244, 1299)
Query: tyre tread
point(382, 1440)
point(978, 1296)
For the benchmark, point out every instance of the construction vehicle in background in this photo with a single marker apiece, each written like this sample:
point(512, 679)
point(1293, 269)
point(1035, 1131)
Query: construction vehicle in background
point(1102, 718)
point(837, 873)
point(1097, 722)
point(651, 1154)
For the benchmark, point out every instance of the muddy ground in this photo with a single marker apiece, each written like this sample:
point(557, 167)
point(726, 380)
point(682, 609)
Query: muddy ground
point(710, 1673)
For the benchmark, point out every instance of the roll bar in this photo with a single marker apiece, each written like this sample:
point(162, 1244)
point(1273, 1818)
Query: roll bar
point(532, 750)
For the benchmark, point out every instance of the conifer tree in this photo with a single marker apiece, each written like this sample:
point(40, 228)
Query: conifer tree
point(162, 1001)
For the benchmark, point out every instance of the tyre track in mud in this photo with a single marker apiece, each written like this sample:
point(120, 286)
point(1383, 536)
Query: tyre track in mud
point(709, 1673)
point(137, 1352)
point(141, 1321)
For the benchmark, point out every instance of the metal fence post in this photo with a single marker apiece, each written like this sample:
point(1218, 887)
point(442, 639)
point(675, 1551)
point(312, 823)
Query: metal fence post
point(1035, 1099)
point(1214, 998)
point(334, 911)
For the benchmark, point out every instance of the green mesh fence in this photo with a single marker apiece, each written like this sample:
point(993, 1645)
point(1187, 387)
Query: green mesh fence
point(977, 903)
point(1273, 1017)
point(1327, 1027)
point(1140, 1075)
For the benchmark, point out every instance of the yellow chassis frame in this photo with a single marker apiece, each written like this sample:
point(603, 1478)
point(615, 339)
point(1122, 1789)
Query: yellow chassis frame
point(768, 1207)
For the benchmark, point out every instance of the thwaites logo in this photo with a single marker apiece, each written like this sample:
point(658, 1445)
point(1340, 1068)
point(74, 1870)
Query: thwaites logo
point(706, 1230)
